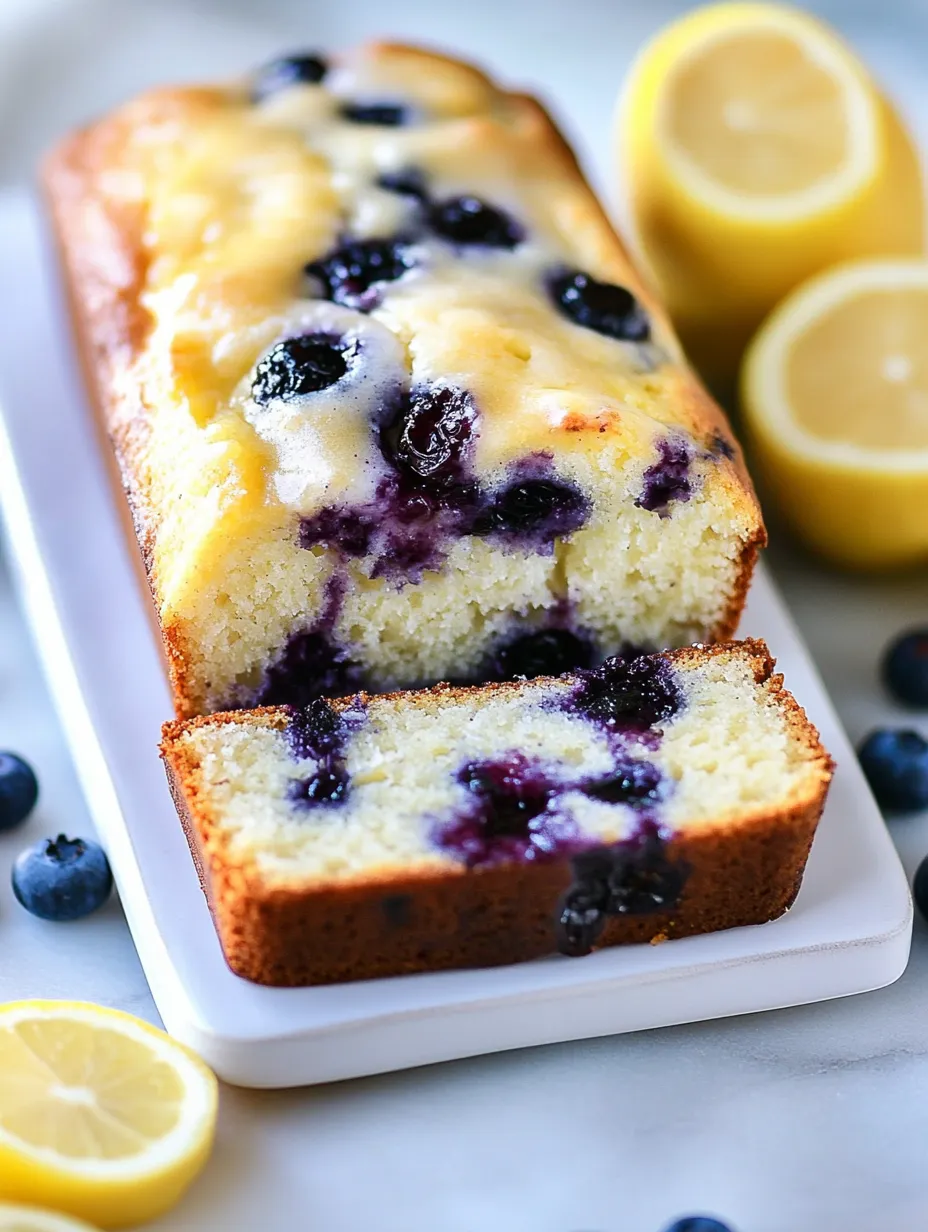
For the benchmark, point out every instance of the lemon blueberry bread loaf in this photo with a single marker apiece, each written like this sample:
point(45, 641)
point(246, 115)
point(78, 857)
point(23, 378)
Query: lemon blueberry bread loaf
point(647, 798)
point(390, 404)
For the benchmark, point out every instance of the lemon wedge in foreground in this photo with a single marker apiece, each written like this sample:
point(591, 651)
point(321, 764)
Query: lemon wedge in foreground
point(755, 152)
point(835, 398)
point(101, 1115)
point(30, 1219)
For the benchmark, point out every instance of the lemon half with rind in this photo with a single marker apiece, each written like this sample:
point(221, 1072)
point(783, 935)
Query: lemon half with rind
point(756, 151)
point(102, 1116)
point(31, 1219)
point(835, 401)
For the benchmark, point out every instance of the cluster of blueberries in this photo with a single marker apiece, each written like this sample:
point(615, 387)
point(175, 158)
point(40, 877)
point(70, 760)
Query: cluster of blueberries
point(895, 760)
point(57, 878)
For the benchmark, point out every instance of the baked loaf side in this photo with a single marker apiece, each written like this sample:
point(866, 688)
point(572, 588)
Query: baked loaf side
point(390, 403)
point(646, 799)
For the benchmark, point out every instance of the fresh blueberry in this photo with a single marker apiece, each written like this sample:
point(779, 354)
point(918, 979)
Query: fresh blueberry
point(435, 433)
point(299, 366)
point(543, 652)
point(896, 766)
point(540, 509)
point(601, 306)
point(468, 220)
point(699, 1223)
point(62, 878)
point(407, 183)
point(19, 790)
point(920, 887)
point(348, 274)
point(386, 115)
point(905, 668)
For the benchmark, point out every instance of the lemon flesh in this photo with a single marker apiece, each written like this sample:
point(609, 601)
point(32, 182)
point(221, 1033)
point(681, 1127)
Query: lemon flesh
point(101, 1115)
point(755, 152)
point(30, 1219)
point(835, 399)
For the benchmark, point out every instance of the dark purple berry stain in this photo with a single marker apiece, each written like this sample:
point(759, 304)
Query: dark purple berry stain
point(384, 115)
point(304, 69)
point(601, 306)
point(534, 513)
point(469, 221)
point(635, 877)
point(634, 782)
point(510, 816)
point(298, 366)
point(514, 814)
point(311, 666)
point(319, 732)
point(429, 496)
point(410, 182)
point(349, 530)
point(352, 273)
point(628, 696)
point(668, 479)
point(541, 652)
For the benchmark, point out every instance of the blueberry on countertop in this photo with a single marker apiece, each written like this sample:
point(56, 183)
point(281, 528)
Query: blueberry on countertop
point(699, 1223)
point(905, 668)
point(62, 878)
point(305, 69)
point(19, 790)
point(896, 766)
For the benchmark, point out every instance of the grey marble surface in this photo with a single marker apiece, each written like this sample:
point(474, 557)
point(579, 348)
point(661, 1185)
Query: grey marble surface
point(806, 1120)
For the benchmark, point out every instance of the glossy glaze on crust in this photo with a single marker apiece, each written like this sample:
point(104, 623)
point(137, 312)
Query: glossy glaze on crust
point(198, 228)
point(741, 867)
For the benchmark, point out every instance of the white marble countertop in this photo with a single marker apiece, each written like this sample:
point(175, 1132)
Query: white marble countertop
point(805, 1120)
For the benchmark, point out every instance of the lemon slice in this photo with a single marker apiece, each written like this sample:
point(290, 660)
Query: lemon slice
point(30, 1219)
point(756, 152)
point(101, 1115)
point(835, 397)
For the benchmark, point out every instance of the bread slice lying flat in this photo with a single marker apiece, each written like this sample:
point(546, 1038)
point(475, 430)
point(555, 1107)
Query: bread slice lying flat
point(647, 799)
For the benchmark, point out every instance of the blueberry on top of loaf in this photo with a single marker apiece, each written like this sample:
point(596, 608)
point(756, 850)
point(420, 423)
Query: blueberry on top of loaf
point(360, 326)
point(645, 789)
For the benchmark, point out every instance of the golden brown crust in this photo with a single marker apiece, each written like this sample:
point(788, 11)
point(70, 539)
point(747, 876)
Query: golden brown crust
point(101, 238)
point(747, 872)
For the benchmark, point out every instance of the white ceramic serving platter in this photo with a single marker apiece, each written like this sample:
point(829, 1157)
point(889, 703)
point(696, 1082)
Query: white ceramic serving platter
point(848, 932)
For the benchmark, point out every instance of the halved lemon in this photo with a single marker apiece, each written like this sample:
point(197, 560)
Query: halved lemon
point(101, 1115)
point(835, 400)
point(31, 1219)
point(755, 152)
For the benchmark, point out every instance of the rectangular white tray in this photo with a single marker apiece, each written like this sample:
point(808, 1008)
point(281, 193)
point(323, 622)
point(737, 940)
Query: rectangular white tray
point(848, 932)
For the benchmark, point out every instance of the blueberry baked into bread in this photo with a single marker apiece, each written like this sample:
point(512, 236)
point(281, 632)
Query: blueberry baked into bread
point(645, 799)
point(389, 402)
